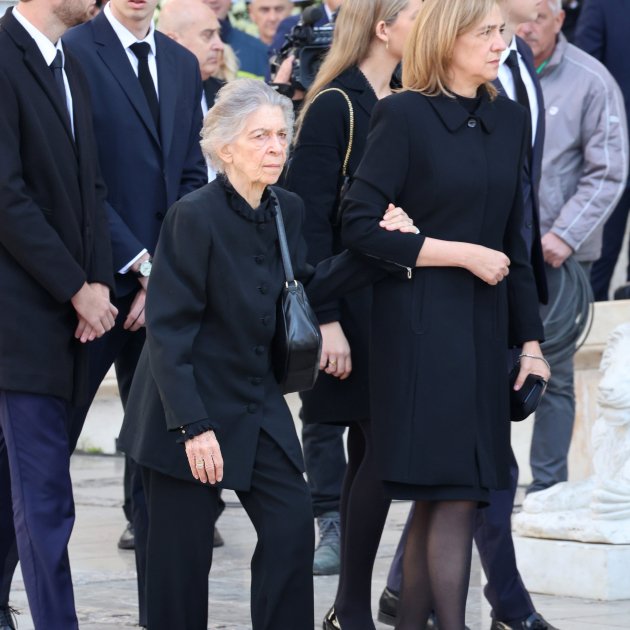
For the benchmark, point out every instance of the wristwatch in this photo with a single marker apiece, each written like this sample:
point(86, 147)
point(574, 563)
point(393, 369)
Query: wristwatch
point(144, 271)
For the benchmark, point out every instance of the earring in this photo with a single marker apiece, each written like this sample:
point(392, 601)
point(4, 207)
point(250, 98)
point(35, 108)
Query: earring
point(387, 44)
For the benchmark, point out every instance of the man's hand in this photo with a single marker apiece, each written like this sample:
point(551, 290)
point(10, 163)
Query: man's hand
point(96, 313)
point(135, 317)
point(555, 250)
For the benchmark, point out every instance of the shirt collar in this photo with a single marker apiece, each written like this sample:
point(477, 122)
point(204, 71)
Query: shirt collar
point(126, 37)
point(46, 47)
point(506, 53)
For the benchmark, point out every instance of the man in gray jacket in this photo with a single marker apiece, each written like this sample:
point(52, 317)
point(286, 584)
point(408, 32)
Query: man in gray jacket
point(585, 163)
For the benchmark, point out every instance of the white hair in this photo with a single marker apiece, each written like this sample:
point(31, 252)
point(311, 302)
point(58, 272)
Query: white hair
point(555, 6)
point(235, 103)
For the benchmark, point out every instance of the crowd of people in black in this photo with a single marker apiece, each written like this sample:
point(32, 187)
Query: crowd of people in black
point(438, 181)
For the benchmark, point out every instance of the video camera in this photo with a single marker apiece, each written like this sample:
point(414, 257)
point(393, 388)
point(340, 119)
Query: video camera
point(308, 44)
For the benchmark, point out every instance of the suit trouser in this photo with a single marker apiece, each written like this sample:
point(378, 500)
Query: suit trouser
point(505, 590)
point(614, 232)
point(8, 543)
point(555, 415)
point(34, 431)
point(325, 462)
point(182, 516)
point(121, 348)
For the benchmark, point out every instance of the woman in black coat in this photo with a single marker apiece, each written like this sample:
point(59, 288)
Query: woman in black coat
point(204, 391)
point(331, 135)
point(450, 153)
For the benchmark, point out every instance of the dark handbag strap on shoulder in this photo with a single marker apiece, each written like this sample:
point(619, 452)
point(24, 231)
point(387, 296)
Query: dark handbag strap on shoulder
point(282, 239)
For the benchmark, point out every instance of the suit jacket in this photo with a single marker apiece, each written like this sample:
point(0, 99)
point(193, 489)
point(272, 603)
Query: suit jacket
point(602, 31)
point(439, 334)
point(531, 177)
point(315, 175)
point(146, 169)
point(216, 369)
point(53, 228)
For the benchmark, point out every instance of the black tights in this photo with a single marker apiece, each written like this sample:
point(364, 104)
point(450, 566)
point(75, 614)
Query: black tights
point(436, 565)
point(363, 512)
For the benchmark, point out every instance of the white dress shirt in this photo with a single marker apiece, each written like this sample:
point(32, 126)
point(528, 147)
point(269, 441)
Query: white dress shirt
point(507, 81)
point(49, 52)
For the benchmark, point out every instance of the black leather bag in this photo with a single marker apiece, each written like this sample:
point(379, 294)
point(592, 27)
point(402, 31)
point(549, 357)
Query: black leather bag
point(524, 402)
point(297, 343)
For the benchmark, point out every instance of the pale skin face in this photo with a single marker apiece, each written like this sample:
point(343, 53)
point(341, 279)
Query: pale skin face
point(256, 158)
point(397, 32)
point(542, 33)
point(202, 38)
point(267, 14)
point(134, 15)
point(477, 54)
point(220, 7)
point(518, 11)
point(73, 12)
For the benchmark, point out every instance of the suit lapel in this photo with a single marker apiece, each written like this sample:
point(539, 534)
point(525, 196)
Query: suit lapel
point(166, 70)
point(34, 61)
point(112, 53)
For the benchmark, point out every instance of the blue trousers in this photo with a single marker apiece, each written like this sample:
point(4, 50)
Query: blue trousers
point(34, 442)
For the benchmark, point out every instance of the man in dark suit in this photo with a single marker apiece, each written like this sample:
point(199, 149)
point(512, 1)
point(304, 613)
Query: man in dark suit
point(512, 607)
point(146, 92)
point(602, 31)
point(55, 275)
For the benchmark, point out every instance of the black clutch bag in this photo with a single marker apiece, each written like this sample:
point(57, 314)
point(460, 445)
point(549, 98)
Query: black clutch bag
point(297, 343)
point(524, 402)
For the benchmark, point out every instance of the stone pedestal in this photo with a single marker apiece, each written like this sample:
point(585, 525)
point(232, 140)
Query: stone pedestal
point(574, 569)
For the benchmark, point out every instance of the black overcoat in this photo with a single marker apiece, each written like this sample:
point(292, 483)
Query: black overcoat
point(315, 175)
point(211, 312)
point(53, 227)
point(440, 410)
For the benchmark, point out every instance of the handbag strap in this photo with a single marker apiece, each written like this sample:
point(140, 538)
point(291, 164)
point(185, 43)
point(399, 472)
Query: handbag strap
point(282, 239)
point(344, 167)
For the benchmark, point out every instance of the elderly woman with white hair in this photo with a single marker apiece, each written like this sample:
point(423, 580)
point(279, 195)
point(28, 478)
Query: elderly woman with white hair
point(205, 410)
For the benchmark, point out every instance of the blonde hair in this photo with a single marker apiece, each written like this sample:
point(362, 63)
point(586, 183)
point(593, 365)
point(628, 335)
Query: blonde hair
point(355, 29)
point(429, 50)
point(228, 68)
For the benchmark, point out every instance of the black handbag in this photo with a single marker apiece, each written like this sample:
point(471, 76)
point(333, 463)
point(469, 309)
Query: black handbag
point(524, 402)
point(297, 344)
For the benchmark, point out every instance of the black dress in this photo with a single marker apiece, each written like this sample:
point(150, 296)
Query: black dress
point(440, 334)
point(315, 175)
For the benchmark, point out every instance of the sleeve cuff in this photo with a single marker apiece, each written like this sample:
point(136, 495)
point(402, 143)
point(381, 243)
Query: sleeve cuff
point(189, 431)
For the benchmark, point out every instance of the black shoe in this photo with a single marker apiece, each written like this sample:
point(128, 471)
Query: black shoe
point(533, 622)
point(330, 620)
point(127, 540)
point(7, 618)
point(217, 541)
point(388, 607)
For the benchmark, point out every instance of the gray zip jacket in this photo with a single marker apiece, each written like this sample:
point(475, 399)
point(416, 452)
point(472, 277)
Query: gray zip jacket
point(585, 157)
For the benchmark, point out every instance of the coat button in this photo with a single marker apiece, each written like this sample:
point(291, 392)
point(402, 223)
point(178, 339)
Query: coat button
point(252, 408)
point(255, 380)
point(259, 350)
point(263, 288)
point(265, 319)
point(262, 227)
point(529, 225)
point(472, 123)
point(259, 259)
point(159, 216)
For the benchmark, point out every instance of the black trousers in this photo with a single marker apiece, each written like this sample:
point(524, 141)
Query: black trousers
point(179, 553)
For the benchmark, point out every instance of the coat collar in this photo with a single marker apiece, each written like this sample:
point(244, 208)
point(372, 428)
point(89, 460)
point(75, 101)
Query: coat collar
point(34, 61)
point(556, 56)
point(355, 84)
point(454, 115)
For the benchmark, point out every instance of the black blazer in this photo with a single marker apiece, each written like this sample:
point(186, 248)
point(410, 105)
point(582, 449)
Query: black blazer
point(53, 229)
point(315, 175)
point(531, 177)
point(439, 337)
point(211, 310)
point(146, 169)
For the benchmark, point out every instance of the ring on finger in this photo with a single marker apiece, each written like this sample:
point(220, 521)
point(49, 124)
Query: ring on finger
point(332, 363)
point(199, 464)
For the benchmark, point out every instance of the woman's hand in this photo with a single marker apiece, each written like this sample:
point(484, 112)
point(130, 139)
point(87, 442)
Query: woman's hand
point(489, 265)
point(532, 362)
point(204, 457)
point(397, 219)
point(335, 358)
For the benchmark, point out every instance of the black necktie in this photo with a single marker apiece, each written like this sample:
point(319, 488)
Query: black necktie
point(141, 50)
point(521, 90)
point(57, 69)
